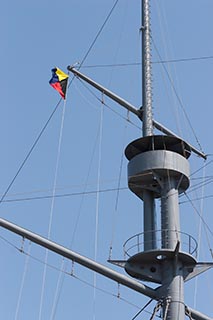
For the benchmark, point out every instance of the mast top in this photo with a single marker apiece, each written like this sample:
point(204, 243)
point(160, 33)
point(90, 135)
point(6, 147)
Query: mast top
point(146, 69)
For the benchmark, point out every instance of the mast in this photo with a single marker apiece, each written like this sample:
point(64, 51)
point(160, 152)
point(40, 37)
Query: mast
point(152, 166)
point(149, 216)
point(158, 169)
point(146, 69)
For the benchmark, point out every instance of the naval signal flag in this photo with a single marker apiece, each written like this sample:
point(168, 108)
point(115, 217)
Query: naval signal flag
point(59, 81)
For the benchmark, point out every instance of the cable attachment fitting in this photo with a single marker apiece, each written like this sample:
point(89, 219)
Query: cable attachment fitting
point(76, 64)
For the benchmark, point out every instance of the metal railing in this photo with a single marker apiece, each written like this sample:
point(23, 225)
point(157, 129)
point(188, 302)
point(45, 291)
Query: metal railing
point(135, 244)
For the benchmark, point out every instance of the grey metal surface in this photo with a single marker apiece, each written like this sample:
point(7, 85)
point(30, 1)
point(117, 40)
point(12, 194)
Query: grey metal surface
point(197, 315)
point(149, 220)
point(146, 170)
point(148, 265)
point(146, 69)
point(157, 142)
point(172, 271)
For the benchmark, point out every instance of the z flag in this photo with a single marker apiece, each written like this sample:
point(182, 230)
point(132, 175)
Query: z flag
point(59, 81)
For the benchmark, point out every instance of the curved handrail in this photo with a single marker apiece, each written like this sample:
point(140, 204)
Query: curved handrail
point(135, 244)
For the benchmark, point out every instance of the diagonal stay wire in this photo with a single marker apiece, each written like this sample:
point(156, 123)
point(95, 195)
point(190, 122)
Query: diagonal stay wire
point(202, 219)
point(68, 273)
point(127, 64)
point(66, 195)
point(106, 105)
point(177, 96)
point(98, 34)
point(146, 305)
point(85, 56)
point(56, 107)
point(29, 152)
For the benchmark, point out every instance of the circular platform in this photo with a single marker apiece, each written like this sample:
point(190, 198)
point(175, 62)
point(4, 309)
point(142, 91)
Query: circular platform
point(157, 142)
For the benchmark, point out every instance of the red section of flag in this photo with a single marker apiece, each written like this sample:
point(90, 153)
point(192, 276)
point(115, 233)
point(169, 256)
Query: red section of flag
point(57, 86)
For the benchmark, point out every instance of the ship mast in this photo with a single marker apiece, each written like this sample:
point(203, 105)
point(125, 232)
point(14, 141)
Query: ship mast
point(148, 198)
point(158, 168)
point(151, 176)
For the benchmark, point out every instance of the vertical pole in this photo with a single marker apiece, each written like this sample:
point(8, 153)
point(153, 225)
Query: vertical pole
point(170, 224)
point(148, 198)
point(172, 274)
point(172, 270)
point(146, 70)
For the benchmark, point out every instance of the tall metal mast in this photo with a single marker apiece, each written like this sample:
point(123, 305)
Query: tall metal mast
point(152, 167)
point(146, 69)
point(158, 168)
point(149, 218)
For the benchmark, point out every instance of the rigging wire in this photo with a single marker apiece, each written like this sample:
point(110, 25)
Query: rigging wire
point(80, 65)
point(177, 96)
point(100, 191)
point(162, 17)
point(110, 108)
point(22, 281)
point(117, 197)
point(200, 185)
point(65, 195)
point(199, 237)
point(97, 205)
point(56, 107)
point(199, 169)
point(205, 224)
point(144, 307)
point(153, 62)
point(29, 152)
point(68, 273)
point(99, 32)
point(63, 266)
point(52, 206)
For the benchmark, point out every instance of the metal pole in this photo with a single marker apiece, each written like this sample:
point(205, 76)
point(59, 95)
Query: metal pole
point(149, 219)
point(146, 70)
point(130, 107)
point(84, 261)
point(172, 271)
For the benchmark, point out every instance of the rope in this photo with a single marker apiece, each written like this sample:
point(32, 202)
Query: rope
point(166, 47)
point(110, 108)
point(97, 205)
point(22, 281)
point(52, 208)
point(177, 96)
point(66, 194)
point(117, 197)
point(99, 32)
point(153, 62)
point(29, 153)
point(63, 266)
point(199, 237)
point(69, 274)
point(205, 224)
point(56, 107)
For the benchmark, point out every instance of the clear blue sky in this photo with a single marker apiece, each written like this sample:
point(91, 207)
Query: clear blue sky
point(39, 35)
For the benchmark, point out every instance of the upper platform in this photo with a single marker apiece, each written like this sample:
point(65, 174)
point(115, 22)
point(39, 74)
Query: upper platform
point(155, 159)
point(157, 142)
